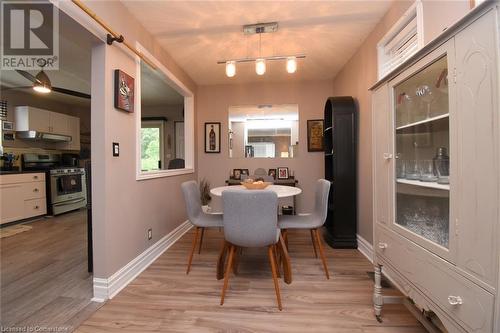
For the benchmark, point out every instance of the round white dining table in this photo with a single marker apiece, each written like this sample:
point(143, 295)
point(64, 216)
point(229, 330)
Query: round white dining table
point(281, 190)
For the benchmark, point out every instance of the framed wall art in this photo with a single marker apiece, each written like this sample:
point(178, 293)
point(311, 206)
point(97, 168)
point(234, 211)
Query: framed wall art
point(212, 137)
point(315, 132)
point(124, 91)
point(282, 173)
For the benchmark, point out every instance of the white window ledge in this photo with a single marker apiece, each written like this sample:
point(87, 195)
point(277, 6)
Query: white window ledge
point(163, 173)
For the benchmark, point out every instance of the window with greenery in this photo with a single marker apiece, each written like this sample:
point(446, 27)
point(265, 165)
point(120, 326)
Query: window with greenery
point(151, 146)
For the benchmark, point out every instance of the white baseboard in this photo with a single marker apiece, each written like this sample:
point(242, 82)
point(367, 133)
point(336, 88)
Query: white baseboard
point(105, 289)
point(365, 248)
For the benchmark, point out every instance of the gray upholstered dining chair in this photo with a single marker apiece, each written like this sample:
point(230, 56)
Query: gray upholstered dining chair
point(311, 221)
point(250, 220)
point(196, 216)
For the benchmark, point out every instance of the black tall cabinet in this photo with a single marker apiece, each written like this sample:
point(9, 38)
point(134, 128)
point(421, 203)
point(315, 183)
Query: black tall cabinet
point(341, 170)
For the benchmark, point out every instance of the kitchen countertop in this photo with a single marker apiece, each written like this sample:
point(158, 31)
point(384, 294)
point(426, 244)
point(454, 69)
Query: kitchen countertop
point(14, 172)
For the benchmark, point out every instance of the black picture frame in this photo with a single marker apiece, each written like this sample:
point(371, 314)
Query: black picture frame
point(315, 135)
point(237, 174)
point(249, 151)
point(272, 172)
point(282, 173)
point(215, 147)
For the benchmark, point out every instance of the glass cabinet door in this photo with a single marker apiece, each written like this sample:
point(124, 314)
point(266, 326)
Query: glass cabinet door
point(422, 166)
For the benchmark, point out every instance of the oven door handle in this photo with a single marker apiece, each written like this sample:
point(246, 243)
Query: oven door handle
point(69, 202)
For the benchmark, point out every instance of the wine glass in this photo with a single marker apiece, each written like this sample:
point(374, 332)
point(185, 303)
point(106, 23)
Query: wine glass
point(427, 96)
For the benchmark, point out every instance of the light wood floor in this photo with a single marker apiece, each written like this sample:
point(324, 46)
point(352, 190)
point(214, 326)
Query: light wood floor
point(164, 299)
point(44, 279)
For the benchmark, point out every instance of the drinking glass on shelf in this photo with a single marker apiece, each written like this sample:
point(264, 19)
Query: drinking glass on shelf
point(427, 171)
point(412, 170)
point(400, 167)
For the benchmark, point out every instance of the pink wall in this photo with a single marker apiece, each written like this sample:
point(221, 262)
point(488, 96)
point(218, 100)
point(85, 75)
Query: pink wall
point(355, 79)
point(212, 106)
point(124, 208)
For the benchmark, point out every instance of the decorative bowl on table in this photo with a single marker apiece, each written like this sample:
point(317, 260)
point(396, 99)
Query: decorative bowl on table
point(255, 185)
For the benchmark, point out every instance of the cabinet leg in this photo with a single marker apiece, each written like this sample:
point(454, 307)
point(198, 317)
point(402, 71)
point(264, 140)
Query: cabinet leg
point(378, 300)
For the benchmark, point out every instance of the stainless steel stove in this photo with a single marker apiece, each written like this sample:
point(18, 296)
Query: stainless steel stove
point(66, 186)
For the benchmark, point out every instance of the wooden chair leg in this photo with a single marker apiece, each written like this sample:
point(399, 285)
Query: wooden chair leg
point(321, 253)
point(227, 273)
point(270, 252)
point(236, 259)
point(287, 272)
point(314, 244)
point(201, 239)
point(284, 232)
point(195, 238)
point(221, 262)
point(275, 253)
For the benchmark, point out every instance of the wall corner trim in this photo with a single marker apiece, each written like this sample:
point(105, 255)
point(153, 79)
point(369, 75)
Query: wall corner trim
point(105, 289)
point(365, 248)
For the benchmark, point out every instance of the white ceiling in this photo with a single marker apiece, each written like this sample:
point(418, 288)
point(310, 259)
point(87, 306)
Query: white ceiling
point(199, 33)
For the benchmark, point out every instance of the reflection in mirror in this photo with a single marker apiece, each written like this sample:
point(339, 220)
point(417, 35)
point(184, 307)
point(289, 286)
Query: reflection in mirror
point(266, 131)
point(162, 122)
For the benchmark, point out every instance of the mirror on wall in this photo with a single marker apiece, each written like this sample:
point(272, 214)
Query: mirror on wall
point(263, 131)
point(162, 123)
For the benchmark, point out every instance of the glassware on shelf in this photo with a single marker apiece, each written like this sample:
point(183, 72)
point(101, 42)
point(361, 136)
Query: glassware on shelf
point(400, 167)
point(412, 170)
point(403, 109)
point(427, 171)
point(442, 165)
point(427, 96)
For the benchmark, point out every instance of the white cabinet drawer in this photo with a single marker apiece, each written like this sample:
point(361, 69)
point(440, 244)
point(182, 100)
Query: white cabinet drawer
point(22, 178)
point(34, 190)
point(468, 303)
point(35, 207)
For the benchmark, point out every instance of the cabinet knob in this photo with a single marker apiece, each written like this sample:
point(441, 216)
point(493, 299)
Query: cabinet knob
point(35, 190)
point(387, 156)
point(382, 246)
point(455, 300)
point(36, 207)
point(35, 177)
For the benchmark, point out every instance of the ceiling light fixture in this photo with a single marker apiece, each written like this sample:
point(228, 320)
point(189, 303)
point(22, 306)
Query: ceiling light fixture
point(291, 65)
point(230, 68)
point(42, 83)
point(260, 61)
point(260, 66)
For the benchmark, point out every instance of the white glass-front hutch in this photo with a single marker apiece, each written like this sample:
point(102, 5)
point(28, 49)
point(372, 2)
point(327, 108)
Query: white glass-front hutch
point(436, 177)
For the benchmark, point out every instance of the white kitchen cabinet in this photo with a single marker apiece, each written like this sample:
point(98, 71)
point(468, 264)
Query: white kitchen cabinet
point(74, 132)
point(28, 118)
point(22, 196)
point(59, 123)
point(436, 228)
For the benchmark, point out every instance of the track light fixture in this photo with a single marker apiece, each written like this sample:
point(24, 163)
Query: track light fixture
point(260, 61)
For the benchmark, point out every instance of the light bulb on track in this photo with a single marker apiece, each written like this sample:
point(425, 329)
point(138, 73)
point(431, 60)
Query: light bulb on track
point(260, 66)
